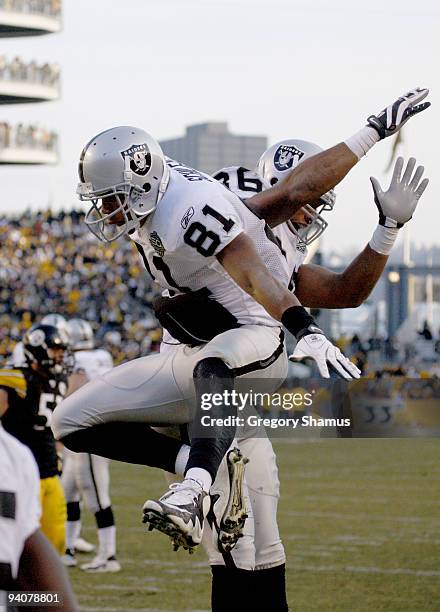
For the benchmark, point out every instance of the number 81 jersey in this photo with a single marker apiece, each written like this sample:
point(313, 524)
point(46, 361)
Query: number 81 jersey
point(197, 218)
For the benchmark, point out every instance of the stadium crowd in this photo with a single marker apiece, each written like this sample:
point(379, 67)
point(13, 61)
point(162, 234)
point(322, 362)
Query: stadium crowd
point(27, 136)
point(53, 264)
point(51, 8)
point(31, 72)
point(383, 357)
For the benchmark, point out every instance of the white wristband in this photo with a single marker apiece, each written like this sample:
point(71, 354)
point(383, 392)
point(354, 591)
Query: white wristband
point(383, 239)
point(361, 142)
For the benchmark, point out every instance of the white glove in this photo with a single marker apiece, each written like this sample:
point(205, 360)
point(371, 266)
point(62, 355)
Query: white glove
point(317, 347)
point(397, 205)
point(393, 117)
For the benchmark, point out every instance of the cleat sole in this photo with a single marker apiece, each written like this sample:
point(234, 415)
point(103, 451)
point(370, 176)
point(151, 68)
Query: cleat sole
point(235, 514)
point(158, 521)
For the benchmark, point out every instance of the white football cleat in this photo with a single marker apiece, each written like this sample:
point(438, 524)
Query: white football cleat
point(68, 559)
point(228, 512)
point(179, 513)
point(83, 546)
point(101, 564)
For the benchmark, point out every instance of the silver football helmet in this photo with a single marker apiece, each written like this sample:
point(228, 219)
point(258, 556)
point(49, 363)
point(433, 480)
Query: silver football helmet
point(127, 163)
point(56, 320)
point(81, 335)
point(276, 163)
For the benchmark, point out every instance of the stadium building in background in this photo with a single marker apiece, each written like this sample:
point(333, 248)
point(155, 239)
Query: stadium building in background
point(24, 81)
point(211, 146)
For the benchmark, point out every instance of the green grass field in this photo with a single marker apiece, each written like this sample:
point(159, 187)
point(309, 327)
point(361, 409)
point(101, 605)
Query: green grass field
point(359, 519)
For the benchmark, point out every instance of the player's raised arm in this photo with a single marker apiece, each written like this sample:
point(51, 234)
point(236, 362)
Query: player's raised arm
point(318, 287)
point(320, 173)
point(243, 263)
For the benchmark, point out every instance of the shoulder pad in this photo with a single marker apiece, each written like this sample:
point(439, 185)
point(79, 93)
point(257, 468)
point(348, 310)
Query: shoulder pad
point(14, 379)
point(243, 182)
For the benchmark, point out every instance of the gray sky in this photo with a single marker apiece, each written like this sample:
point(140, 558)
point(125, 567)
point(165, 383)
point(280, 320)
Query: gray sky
point(284, 68)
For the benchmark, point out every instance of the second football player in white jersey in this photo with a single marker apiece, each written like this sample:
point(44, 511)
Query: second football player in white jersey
point(260, 549)
point(86, 476)
point(28, 562)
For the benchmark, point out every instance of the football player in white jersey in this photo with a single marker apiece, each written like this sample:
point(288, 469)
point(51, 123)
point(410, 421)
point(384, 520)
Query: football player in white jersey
point(87, 476)
point(193, 235)
point(129, 196)
point(296, 234)
point(319, 287)
point(28, 562)
point(308, 223)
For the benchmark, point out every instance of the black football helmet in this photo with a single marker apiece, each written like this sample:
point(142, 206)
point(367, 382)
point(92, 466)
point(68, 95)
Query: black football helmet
point(38, 344)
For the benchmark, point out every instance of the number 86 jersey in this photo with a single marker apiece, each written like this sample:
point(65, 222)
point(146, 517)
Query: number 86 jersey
point(246, 183)
point(197, 218)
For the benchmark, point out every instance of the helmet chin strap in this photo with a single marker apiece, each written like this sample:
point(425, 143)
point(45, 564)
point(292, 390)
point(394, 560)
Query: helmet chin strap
point(164, 182)
point(161, 191)
point(128, 175)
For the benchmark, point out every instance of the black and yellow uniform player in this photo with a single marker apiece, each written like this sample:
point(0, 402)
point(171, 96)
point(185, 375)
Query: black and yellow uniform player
point(29, 394)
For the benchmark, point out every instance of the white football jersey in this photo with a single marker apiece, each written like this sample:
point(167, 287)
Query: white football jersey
point(17, 358)
point(196, 218)
point(246, 183)
point(19, 499)
point(295, 249)
point(93, 362)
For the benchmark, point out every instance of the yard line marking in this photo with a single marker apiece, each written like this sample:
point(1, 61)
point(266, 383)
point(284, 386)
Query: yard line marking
point(363, 516)
point(366, 570)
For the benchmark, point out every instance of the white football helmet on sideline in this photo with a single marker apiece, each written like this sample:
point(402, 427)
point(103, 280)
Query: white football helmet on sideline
point(81, 335)
point(56, 320)
point(276, 163)
point(129, 165)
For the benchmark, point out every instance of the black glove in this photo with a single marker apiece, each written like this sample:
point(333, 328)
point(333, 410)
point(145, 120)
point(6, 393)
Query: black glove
point(393, 117)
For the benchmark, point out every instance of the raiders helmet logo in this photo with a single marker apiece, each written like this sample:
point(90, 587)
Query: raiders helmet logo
point(157, 244)
point(140, 158)
point(286, 157)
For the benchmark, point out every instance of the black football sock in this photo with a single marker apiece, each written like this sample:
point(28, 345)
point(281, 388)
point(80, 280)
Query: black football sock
point(269, 589)
point(231, 589)
point(211, 376)
point(73, 511)
point(104, 518)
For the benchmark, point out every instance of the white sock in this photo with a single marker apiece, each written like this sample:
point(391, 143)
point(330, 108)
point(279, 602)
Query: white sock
point(182, 459)
point(202, 476)
point(107, 541)
point(73, 529)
